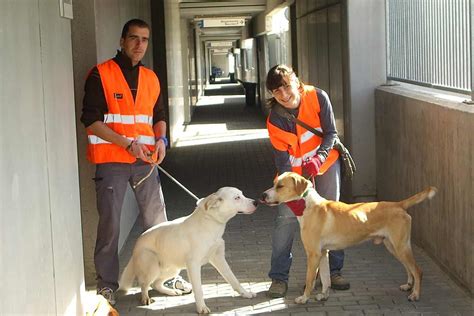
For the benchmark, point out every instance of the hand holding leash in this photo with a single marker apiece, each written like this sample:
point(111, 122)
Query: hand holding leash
point(312, 165)
point(160, 150)
point(138, 150)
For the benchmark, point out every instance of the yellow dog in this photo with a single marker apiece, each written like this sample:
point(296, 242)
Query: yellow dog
point(329, 225)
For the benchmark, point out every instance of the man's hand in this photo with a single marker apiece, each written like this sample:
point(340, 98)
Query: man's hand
point(138, 150)
point(157, 156)
point(312, 165)
point(160, 151)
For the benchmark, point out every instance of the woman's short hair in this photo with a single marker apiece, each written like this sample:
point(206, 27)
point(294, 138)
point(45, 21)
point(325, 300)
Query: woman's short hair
point(278, 76)
point(133, 22)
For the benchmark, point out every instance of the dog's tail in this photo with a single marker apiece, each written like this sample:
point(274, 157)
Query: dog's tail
point(127, 278)
point(428, 193)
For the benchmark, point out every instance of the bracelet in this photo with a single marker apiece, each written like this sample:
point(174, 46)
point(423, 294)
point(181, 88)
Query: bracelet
point(129, 145)
point(165, 140)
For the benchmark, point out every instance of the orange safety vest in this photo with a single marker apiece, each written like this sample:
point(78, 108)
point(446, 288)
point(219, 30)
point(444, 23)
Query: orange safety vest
point(129, 118)
point(304, 144)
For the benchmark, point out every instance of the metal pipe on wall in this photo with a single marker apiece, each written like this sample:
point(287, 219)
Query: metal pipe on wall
point(471, 22)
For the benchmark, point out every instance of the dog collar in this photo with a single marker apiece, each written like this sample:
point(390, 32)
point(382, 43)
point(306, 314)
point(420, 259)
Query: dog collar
point(297, 206)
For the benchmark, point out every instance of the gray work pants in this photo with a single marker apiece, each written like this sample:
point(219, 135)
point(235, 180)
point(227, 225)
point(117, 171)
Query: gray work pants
point(111, 180)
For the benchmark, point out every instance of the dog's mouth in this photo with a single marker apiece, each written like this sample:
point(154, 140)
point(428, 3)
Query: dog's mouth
point(247, 213)
point(272, 203)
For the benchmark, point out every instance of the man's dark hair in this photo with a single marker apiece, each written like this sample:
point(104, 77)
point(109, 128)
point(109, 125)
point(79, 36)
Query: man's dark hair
point(133, 22)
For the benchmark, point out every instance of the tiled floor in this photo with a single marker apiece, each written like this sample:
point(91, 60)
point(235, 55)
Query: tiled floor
point(226, 145)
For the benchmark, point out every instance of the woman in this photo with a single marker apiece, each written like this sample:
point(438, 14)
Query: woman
point(299, 150)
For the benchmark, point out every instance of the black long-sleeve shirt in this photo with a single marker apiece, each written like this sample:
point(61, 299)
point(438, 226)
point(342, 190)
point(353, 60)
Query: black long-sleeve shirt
point(328, 125)
point(94, 104)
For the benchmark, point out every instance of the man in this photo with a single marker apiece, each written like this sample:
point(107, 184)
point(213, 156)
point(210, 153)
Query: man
point(299, 150)
point(125, 122)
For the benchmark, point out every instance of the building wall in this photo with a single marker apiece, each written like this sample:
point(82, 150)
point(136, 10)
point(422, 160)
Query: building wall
point(425, 139)
point(320, 53)
point(96, 31)
point(41, 245)
point(341, 49)
point(364, 69)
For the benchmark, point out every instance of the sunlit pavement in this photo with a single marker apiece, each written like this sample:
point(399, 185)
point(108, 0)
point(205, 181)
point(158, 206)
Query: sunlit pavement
point(227, 145)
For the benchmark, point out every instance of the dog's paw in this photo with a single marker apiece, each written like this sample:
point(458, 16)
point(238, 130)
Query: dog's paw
point(203, 309)
point(405, 287)
point(301, 299)
point(322, 297)
point(147, 300)
point(413, 297)
point(248, 294)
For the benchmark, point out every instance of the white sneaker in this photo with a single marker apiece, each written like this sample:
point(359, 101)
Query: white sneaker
point(108, 294)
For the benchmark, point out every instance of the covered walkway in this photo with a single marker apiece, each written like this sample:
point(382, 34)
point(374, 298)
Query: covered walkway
point(226, 144)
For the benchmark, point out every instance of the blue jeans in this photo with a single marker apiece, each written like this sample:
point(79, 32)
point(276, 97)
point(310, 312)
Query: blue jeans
point(286, 226)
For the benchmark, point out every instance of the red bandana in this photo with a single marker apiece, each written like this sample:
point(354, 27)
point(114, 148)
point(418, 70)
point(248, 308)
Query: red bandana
point(297, 206)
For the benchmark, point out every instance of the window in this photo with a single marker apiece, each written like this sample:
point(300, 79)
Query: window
point(429, 43)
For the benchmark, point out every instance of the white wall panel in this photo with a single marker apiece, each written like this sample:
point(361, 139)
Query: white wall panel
point(41, 251)
point(26, 250)
point(61, 151)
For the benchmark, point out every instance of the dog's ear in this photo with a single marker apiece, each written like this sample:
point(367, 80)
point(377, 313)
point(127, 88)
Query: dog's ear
point(301, 185)
point(212, 201)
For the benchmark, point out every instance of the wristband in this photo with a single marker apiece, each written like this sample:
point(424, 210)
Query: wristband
point(165, 140)
point(129, 145)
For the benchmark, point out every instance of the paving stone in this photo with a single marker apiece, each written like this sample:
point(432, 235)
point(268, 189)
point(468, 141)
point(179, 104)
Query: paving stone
point(375, 275)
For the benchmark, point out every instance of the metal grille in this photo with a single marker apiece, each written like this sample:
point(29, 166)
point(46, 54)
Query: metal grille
point(429, 43)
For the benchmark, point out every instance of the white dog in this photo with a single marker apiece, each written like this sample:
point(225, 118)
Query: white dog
point(188, 243)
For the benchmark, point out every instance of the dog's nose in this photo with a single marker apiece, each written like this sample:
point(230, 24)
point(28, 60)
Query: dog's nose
point(264, 196)
point(255, 203)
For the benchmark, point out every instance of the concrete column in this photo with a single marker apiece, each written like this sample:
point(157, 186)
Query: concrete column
point(199, 75)
point(175, 65)
point(207, 63)
point(185, 70)
point(367, 69)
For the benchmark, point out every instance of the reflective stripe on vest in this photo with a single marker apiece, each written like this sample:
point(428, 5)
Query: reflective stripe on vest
point(304, 144)
point(147, 140)
point(297, 162)
point(308, 135)
point(130, 118)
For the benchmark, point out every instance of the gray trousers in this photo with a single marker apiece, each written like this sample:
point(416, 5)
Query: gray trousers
point(111, 180)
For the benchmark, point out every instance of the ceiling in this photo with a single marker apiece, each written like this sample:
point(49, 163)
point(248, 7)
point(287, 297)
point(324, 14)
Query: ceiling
point(214, 8)
point(200, 9)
